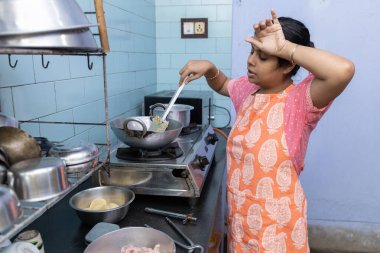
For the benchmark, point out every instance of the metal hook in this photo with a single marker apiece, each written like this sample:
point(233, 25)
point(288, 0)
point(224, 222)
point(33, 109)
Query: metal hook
point(89, 65)
point(43, 62)
point(10, 64)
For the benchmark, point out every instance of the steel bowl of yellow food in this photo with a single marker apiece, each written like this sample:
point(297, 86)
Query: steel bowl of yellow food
point(102, 204)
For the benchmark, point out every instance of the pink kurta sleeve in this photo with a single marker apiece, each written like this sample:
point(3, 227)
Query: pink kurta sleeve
point(239, 89)
point(301, 117)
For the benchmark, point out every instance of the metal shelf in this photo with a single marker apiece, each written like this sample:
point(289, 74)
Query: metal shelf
point(33, 210)
point(42, 52)
point(48, 52)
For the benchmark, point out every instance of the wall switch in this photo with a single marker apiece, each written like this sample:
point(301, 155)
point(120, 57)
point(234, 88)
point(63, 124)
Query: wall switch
point(188, 28)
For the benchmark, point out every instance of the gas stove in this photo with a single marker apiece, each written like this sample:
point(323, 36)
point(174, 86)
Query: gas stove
point(179, 169)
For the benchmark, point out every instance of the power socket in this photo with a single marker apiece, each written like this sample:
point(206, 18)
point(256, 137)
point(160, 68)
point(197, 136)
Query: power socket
point(200, 28)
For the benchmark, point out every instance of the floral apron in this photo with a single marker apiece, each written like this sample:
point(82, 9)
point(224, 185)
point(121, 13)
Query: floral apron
point(266, 202)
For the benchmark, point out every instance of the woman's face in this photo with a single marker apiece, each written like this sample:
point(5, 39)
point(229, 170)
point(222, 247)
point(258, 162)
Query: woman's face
point(263, 69)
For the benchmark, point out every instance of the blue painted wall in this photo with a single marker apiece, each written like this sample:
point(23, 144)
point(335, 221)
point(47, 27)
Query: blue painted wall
point(173, 52)
point(68, 91)
point(342, 163)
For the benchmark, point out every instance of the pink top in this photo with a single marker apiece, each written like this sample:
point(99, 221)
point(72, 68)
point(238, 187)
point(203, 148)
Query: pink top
point(300, 115)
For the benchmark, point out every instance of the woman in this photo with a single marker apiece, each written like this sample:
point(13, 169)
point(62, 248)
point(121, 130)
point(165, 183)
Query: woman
point(267, 145)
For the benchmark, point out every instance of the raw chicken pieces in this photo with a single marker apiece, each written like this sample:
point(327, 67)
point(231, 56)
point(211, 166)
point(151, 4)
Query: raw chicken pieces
point(131, 249)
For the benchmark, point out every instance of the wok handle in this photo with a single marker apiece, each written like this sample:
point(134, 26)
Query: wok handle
point(152, 107)
point(125, 124)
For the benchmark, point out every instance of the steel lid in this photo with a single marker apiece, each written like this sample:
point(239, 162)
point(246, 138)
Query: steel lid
point(75, 152)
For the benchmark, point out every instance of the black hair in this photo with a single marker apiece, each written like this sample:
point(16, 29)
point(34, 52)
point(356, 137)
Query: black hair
point(296, 32)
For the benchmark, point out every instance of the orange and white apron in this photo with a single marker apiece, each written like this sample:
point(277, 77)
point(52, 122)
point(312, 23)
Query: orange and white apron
point(266, 202)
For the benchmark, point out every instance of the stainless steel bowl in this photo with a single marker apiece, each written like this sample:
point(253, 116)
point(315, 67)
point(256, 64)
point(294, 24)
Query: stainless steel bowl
point(119, 195)
point(79, 156)
point(6, 120)
point(10, 209)
point(27, 17)
point(136, 236)
point(38, 179)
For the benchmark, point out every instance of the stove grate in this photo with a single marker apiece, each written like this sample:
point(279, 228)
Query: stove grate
point(168, 152)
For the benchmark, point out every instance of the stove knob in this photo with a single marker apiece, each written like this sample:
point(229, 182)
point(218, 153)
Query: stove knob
point(211, 139)
point(202, 162)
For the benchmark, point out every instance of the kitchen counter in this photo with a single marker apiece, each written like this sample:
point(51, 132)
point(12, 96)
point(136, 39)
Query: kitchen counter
point(62, 230)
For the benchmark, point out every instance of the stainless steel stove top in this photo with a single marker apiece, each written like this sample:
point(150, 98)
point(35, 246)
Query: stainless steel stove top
point(182, 176)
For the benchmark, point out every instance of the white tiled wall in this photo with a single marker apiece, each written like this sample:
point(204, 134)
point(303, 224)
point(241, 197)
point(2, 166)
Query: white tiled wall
point(173, 52)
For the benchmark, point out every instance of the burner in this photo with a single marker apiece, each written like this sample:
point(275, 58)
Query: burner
point(192, 128)
point(168, 152)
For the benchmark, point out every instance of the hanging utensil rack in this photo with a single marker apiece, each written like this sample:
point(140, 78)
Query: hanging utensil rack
point(17, 51)
point(33, 210)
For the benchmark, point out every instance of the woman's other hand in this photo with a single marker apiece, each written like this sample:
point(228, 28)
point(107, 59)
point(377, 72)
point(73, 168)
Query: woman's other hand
point(215, 78)
point(269, 37)
point(193, 70)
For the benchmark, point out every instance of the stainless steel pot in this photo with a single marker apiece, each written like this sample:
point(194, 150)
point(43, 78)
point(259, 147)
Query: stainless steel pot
point(179, 112)
point(79, 156)
point(18, 145)
point(135, 236)
point(10, 209)
point(38, 179)
point(133, 132)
